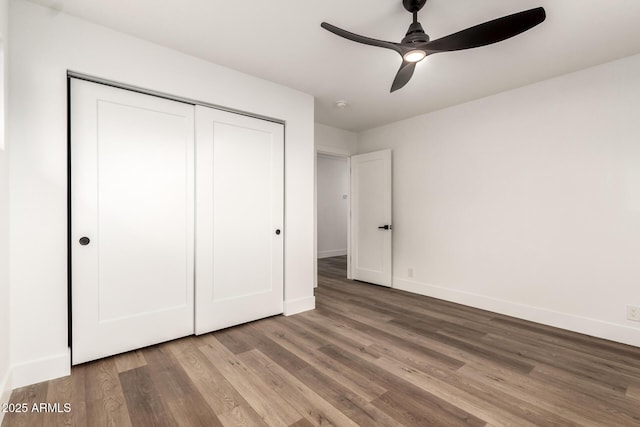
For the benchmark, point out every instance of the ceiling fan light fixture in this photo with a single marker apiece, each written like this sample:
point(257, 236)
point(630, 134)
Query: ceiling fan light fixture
point(415, 55)
point(416, 44)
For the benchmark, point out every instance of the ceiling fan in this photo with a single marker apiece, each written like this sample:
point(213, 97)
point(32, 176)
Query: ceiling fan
point(415, 46)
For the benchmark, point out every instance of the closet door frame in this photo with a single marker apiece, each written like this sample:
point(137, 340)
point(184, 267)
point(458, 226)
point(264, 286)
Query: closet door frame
point(133, 88)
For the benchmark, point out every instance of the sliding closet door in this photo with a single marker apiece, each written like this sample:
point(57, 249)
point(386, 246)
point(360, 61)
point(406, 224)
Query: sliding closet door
point(239, 219)
point(132, 220)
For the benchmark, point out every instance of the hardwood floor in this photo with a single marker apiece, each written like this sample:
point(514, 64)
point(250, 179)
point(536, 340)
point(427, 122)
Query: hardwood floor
point(366, 356)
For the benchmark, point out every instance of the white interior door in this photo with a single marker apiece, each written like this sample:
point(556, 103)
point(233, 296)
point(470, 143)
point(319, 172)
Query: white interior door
point(371, 226)
point(132, 220)
point(239, 219)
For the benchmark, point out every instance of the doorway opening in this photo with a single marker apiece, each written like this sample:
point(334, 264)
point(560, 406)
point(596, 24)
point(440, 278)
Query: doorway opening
point(333, 200)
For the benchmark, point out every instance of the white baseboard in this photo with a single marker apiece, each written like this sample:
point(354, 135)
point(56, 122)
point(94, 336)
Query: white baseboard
point(331, 253)
point(299, 305)
point(584, 325)
point(39, 370)
point(5, 391)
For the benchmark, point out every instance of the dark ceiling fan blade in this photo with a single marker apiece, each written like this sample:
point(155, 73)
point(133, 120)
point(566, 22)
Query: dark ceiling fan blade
point(404, 75)
point(489, 32)
point(361, 39)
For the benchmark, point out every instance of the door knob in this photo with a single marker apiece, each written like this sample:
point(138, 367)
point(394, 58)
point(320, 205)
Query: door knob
point(385, 227)
point(278, 231)
point(84, 241)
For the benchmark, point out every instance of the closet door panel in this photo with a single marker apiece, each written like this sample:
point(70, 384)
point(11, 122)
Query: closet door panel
point(132, 197)
point(239, 218)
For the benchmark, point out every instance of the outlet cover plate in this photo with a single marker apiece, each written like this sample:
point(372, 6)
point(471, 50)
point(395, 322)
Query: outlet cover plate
point(633, 313)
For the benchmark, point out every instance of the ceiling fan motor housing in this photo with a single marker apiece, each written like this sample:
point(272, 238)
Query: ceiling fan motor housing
point(415, 34)
point(413, 5)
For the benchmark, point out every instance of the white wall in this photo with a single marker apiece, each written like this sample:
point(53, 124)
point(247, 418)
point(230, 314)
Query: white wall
point(333, 205)
point(527, 202)
point(5, 380)
point(44, 45)
point(334, 140)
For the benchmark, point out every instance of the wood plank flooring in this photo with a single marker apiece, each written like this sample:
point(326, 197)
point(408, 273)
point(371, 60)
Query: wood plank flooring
point(366, 356)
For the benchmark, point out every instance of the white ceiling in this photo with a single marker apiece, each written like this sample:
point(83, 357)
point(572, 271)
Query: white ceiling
point(281, 41)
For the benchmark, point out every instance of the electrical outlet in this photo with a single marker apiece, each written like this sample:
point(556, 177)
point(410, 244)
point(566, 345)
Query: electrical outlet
point(633, 313)
point(410, 272)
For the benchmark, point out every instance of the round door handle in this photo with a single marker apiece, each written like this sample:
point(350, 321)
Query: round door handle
point(84, 241)
point(278, 231)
